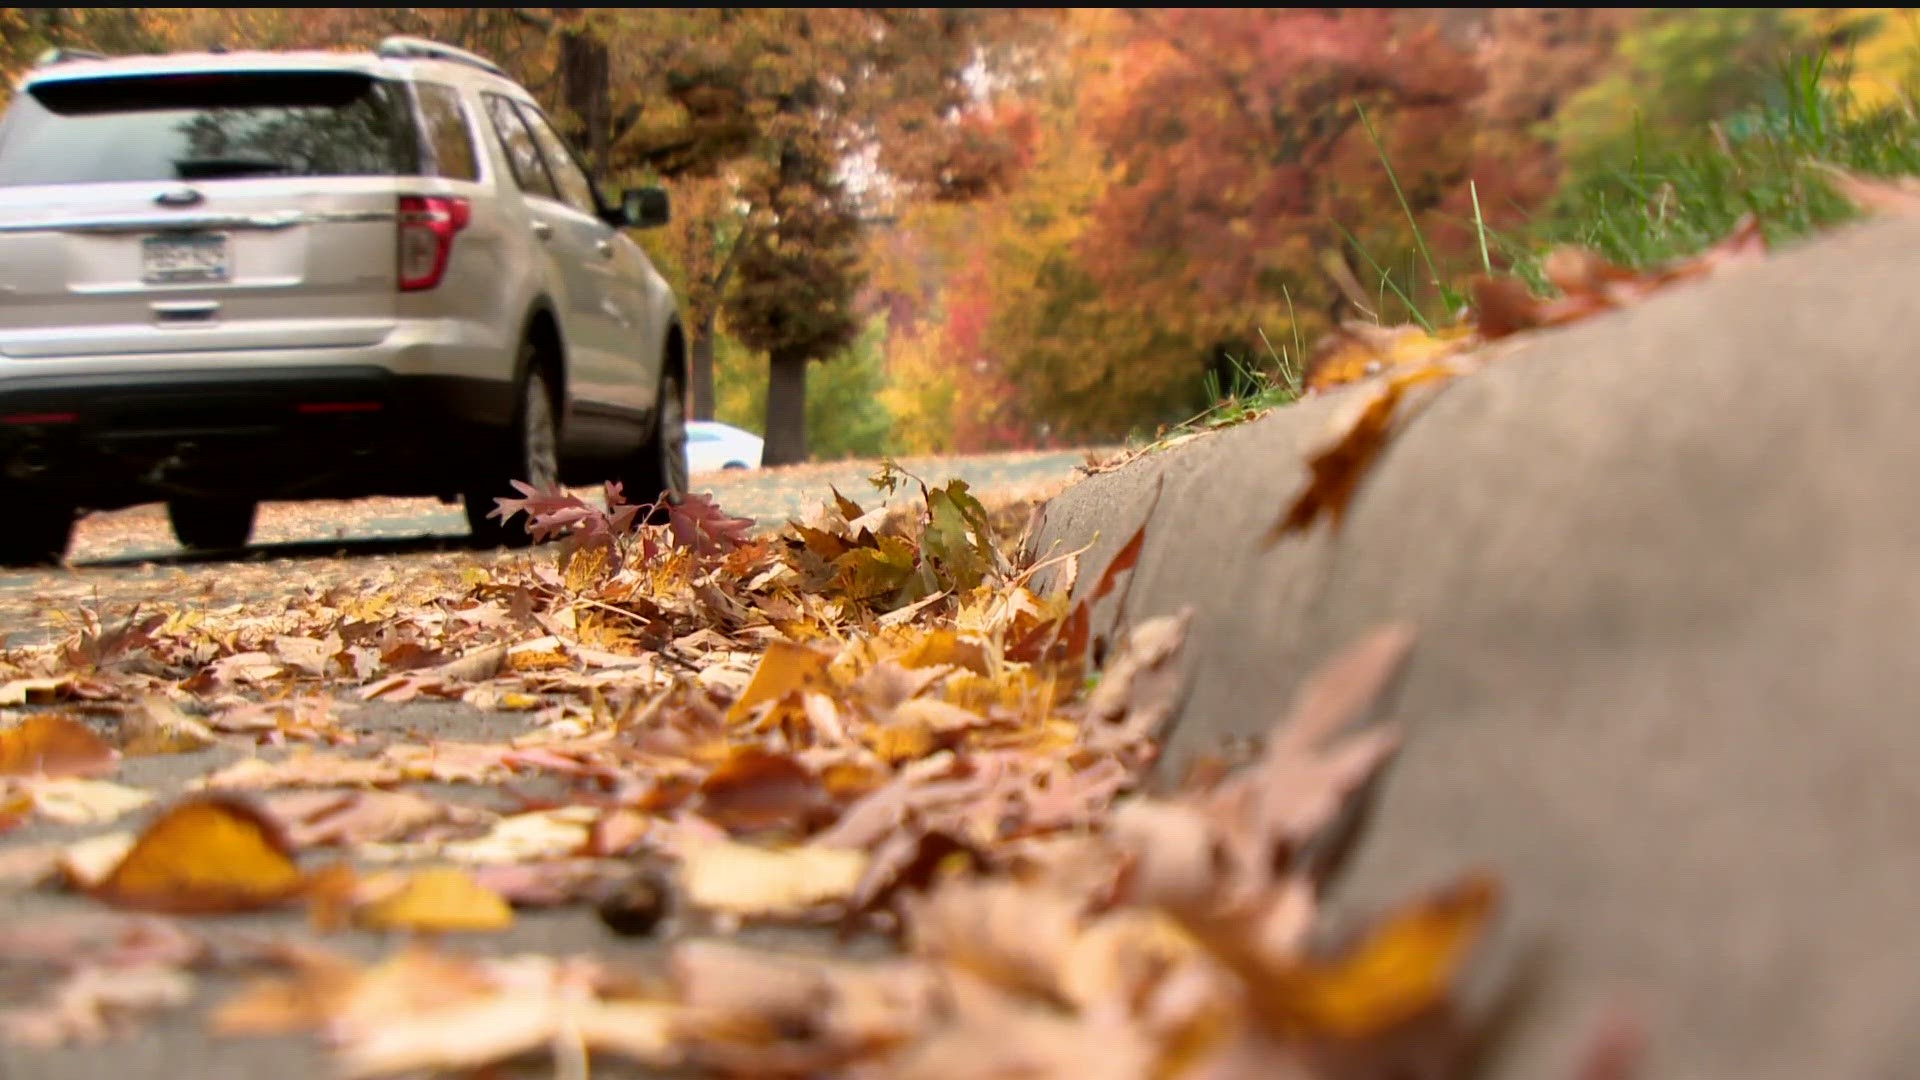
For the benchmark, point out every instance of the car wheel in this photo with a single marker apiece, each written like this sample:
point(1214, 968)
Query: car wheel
point(37, 532)
point(532, 454)
point(212, 524)
point(734, 465)
point(659, 467)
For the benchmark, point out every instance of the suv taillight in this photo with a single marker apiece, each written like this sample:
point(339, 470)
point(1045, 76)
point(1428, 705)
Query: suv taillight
point(427, 227)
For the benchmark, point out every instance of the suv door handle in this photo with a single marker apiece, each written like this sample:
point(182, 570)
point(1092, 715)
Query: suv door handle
point(542, 230)
point(604, 247)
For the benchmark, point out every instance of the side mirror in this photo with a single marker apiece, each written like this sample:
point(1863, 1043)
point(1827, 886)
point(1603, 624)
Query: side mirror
point(645, 208)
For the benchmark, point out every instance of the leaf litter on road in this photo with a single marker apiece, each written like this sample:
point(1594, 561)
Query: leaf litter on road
point(861, 721)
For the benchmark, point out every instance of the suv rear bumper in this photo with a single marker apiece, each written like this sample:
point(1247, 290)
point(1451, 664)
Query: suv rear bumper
point(111, 439)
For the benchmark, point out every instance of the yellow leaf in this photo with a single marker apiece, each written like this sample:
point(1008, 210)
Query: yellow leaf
point(905, 740)
point(440, 898)
point(740, 879)
point(786, 667)
point(208, 854)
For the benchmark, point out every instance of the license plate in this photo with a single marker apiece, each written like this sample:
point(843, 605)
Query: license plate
point(172, 260)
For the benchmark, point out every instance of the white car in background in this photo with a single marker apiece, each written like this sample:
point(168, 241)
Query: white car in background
point(713, 446)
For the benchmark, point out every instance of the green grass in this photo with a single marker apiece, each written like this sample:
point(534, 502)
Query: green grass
point(1669, 202)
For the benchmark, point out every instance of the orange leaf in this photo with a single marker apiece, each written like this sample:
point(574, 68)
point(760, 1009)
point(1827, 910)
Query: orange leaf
point(786, 667)
point(1399, 971)
point(206, 855)
point(47, 744)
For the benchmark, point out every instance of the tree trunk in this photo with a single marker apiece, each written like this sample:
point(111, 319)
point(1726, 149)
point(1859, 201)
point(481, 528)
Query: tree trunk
point(786, 410)
point(586, 79)
point(701, 357)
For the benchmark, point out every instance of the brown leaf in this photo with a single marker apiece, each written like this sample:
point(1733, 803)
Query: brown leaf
point(205, 855)
point(753, 790)
point(1013, 936)
point(1337, 468)
point(47, 744)
point(1142, 687)
point(741, 1002)
point(332, 818)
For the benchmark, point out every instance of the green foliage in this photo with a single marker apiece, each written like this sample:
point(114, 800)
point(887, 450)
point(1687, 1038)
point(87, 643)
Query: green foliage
point(1676, 70)
point(1673, 201)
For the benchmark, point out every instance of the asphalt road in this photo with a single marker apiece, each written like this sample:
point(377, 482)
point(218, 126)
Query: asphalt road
point(129, 556)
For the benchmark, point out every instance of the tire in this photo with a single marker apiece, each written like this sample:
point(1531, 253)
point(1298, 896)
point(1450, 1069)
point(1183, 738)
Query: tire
point(212, 524)
point(732, 465)
point(659, 467)
point(532, 454)
point(37, 533)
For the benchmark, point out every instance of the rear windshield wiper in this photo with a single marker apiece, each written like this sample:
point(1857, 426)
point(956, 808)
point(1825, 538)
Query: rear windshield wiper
point(209, 168)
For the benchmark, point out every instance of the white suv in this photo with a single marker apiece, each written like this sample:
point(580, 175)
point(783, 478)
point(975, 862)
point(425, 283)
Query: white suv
point(228, 277)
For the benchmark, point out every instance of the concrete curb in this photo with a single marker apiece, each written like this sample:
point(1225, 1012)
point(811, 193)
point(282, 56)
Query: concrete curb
point(1666, 571)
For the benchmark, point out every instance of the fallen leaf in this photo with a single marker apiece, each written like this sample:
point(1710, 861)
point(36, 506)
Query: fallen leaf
point(155, 725)
point(16, 692)
point(1400, 970)
point(47, 744)
point(1141, 689)
point(1339, 465)
point(1013, 936)
point(85, 802)
point(784, 668)
point(333, 818)
point(541, 834)
point(731, 878)
point(86, 863)
point(437, 899)
point(208, 854)
point(304, 769)
point(753, 790)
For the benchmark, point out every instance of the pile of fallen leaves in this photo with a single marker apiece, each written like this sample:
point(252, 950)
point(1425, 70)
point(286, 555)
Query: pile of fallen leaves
point(866, 722)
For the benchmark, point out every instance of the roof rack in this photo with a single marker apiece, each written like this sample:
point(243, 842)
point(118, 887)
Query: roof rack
point(400, 46)
point(62, 55)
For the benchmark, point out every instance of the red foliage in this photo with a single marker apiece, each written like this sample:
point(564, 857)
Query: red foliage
point(1240, 141)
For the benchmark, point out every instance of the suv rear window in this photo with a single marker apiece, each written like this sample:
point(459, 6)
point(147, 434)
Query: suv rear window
point(206, 127)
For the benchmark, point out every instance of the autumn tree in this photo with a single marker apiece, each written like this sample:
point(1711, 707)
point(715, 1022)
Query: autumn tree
point(780, 101)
